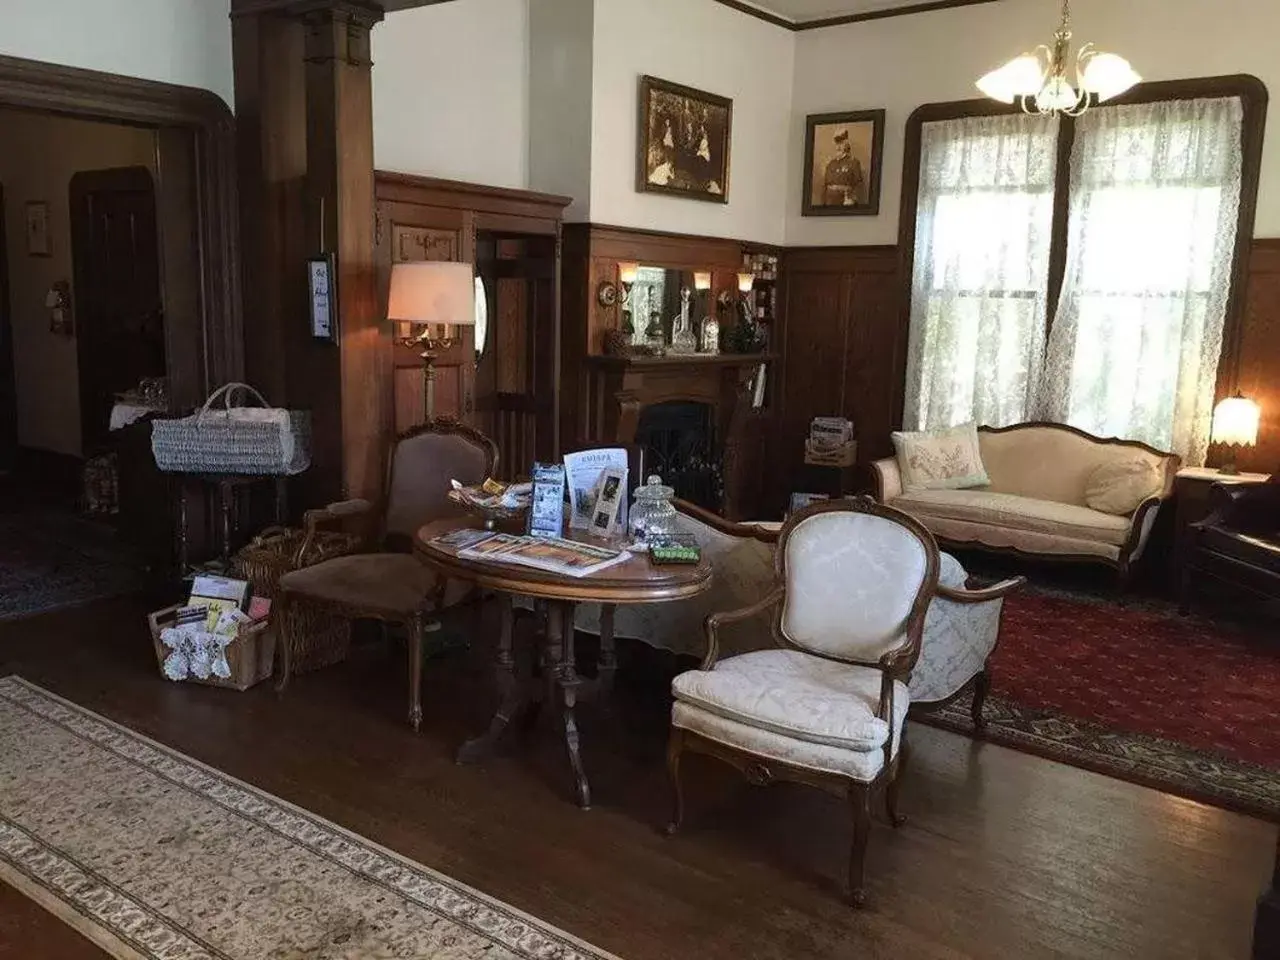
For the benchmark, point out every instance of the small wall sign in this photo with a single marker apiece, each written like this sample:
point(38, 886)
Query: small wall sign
point(321, 283)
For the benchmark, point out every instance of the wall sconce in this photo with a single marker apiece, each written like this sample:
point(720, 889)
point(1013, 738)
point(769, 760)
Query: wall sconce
point(58, 303)
point(1235, 424)
point(745, 282)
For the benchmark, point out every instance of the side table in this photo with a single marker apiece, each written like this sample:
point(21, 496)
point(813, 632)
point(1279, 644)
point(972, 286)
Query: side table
point(1191, 504)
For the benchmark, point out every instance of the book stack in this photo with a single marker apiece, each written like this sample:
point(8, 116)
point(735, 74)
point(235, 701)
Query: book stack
point(830, 443)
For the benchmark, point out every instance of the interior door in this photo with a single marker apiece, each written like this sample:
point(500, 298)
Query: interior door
point(8, 389)
point(516, 371)
point(410, 233)
point(117, 302)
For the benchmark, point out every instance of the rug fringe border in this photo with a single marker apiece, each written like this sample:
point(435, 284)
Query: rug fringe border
point(61, 910)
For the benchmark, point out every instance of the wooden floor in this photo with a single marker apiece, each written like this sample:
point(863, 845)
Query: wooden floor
point(1005, 855)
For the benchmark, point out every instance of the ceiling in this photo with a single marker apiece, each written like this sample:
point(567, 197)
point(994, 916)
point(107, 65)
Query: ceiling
point(801, 11)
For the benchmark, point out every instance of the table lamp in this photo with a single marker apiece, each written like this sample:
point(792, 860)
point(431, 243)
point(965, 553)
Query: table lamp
point(432, 298)
point(1235, 424)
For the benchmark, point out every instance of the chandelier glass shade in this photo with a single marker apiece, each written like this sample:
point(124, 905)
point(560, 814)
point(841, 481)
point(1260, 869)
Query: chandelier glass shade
point(1038, 80)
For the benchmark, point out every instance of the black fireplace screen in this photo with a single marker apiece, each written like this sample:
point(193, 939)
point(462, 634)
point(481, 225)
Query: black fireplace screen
point(680, 445)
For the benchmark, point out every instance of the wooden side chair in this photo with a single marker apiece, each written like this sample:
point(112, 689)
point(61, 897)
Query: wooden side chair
point(853, 582)
point(392, 585)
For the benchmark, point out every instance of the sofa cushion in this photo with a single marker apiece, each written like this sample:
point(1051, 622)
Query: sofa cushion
point(1017, 513)
point(796, 695)
point(1118, 486)
point(940, 459)
point(1024, 541)
point(1051, 462)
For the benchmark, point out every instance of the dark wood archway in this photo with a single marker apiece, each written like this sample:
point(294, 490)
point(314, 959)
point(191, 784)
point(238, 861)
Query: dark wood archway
point(195, 152)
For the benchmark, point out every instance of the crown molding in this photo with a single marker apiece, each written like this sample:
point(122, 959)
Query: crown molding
point(927, 6)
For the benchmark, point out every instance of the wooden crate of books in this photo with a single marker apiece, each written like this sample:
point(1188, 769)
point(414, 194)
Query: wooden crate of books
point(251, 655)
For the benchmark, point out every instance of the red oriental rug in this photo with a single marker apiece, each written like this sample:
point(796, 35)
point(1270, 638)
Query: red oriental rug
point(1135, 691)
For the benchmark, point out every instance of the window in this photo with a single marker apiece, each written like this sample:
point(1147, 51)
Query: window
point(980, 286)
point(1101, 298)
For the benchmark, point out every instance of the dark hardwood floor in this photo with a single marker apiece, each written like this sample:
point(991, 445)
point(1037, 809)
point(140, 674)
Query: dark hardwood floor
point(1005, 855)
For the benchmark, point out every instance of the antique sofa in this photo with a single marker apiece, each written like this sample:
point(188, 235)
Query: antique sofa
point(1035, 502)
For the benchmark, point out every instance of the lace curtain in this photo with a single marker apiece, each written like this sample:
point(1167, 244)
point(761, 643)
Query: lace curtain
point(979, 290)
point(1155, 197)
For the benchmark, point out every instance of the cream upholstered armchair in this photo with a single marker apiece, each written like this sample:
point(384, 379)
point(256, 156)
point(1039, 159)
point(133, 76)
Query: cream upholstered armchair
point(853, 583)
point(391, 584)
point(961, 630)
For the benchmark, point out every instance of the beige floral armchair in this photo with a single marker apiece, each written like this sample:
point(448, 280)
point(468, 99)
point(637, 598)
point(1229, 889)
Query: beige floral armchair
point(853, 584)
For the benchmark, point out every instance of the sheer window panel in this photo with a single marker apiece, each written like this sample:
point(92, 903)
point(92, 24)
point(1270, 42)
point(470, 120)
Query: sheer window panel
point(983, 234)
point(1154, 207)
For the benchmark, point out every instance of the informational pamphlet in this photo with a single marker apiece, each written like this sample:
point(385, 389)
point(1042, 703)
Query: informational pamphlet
point(546, 511)
point(584, 473)
point(217, 594)
point(552, 554)
point(606, 515)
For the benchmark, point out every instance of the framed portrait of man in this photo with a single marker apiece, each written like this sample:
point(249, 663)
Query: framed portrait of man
point(843, 153)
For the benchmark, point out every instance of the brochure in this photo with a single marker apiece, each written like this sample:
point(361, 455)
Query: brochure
point(584, 473)
point(606, 512)
point(552, 554)
point(217, 594)
point(546, 513)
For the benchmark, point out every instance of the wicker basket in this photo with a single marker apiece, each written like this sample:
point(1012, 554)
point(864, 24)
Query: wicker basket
point(250, 656)
point(316, 638)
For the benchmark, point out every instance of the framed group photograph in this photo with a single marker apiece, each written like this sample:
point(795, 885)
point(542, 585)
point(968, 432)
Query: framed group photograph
point(843, 153)
point(684, 139)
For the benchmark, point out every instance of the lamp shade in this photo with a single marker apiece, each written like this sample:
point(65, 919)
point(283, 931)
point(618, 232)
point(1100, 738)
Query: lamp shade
point(628, 270)
point(745, 282)
point(1106, 75)
point(702, 281)
point(1235, 422)
point(432, 292)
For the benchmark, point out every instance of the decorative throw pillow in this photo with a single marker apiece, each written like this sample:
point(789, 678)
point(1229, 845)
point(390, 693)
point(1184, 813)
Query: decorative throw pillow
point(1118, 486)
point(940, 459)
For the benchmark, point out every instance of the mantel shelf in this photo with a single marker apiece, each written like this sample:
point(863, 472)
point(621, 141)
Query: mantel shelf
point(673, 360)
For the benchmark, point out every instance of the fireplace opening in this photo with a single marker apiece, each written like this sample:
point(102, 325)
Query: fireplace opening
point(680, 445)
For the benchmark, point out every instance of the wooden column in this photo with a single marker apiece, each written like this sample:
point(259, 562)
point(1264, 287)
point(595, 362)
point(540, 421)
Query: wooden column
point(305, 108)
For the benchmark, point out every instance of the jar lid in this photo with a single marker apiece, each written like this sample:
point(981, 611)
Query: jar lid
point(653, 489)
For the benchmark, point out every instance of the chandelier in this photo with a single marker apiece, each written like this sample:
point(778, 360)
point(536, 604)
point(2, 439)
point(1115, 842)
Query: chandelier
point(1038, 80)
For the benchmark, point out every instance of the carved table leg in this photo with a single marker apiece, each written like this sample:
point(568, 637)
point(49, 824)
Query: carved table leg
point(560, 640)
point(608, 654)
point(416, 630)
point(510, 687)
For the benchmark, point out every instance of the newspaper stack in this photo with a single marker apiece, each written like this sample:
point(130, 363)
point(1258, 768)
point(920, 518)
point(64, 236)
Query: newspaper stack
point(830, 443)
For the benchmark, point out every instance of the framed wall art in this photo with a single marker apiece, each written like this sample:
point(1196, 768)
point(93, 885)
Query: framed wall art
point(843, 153)
point(684, 140)
point(37, 229)
point(322, 296)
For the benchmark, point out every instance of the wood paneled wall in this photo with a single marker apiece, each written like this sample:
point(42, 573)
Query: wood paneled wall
point(1259, 370)
point(844, 340)
point(843, 355)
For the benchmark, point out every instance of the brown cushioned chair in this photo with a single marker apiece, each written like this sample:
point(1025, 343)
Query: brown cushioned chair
point(393, 585)
point(1238, 542)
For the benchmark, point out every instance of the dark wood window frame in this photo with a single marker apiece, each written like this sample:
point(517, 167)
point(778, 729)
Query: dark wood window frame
point(1254, 98)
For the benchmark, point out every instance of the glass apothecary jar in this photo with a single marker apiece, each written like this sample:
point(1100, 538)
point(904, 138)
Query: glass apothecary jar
point(653, 513)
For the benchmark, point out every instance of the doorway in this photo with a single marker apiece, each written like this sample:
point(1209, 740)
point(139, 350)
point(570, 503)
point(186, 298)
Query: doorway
point(120, 329)
point(515, 376)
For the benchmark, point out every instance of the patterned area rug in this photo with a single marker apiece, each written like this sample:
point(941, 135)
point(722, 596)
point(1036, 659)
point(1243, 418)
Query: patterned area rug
point(1136, 691)
point(153, 855)
point(51, 559)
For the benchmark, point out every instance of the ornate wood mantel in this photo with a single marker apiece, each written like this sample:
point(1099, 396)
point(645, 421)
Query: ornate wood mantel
point(619, 388)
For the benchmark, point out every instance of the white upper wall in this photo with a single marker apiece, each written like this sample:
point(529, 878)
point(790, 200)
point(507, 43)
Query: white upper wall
point(450, 91)
point(902, 62)
point(561, 48)
point(186, 42)
point(709, 46)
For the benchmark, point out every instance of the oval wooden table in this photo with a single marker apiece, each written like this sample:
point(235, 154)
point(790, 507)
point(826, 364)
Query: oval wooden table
point(633, 581)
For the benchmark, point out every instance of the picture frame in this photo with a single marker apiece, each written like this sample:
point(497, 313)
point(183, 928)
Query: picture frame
point(36, 227)
point(322, 296)
point(683, 142)
point(843, 159)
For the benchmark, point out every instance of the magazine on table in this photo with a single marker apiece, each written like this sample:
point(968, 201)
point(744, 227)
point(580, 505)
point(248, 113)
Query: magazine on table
point(584, 475)
point(565, 557)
